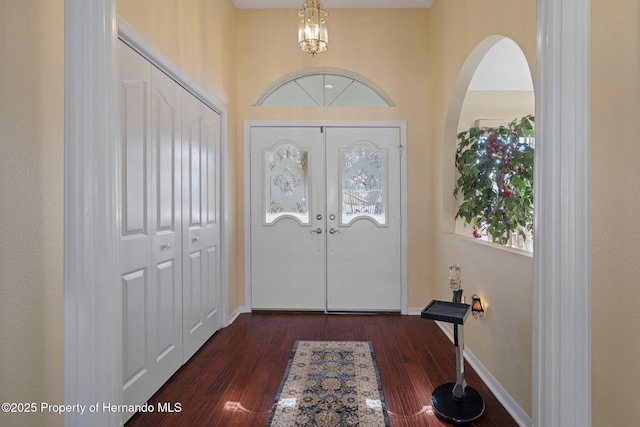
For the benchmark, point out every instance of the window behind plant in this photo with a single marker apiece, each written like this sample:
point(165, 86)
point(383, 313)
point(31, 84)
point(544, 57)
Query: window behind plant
point(495, 183)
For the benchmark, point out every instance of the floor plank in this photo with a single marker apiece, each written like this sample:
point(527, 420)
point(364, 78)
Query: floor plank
point(234, 378)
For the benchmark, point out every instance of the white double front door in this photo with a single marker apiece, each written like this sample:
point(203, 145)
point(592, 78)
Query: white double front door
point(325, 218)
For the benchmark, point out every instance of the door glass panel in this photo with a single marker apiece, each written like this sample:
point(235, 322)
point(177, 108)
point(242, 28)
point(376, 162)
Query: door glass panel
point(286, 184)
point(363, 183)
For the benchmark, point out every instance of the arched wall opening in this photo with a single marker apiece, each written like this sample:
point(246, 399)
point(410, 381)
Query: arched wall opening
point(494, 86)
point(501, 276)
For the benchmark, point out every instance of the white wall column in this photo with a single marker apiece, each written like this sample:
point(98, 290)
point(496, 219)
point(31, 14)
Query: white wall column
point(561, 266)
point(92, 290)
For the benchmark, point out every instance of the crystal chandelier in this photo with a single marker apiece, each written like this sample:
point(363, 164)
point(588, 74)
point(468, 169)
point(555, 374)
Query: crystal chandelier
point(312, 32)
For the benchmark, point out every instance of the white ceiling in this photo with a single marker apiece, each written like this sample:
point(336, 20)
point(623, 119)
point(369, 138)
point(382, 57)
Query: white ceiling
point(333, 4)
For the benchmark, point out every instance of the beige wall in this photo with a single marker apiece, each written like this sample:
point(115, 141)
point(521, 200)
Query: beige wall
point(199, 36)
point(31, 205)
point(393, 49)
point(615, 104)
point(502, 342)
point(387, 47)
point(501, 105)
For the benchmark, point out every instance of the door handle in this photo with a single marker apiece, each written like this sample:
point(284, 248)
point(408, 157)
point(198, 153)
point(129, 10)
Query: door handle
point(165, 246)
point(317, 231)
point(334, 231)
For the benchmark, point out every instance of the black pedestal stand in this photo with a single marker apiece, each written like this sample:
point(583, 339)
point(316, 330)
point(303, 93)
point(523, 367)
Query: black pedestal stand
point(455, 403)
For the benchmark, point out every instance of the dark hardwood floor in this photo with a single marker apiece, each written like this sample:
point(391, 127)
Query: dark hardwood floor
point(233, 379)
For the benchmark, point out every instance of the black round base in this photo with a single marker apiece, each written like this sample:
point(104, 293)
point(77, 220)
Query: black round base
point(455, 411)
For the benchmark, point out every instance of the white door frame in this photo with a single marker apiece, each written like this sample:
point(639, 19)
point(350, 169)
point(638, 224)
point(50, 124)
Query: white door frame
point(92, 291)
point(561, 360)
point(288, 123)
point(92, 335)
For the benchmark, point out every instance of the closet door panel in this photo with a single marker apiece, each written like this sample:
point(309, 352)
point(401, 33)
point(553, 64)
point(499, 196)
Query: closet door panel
point(151, 242)
point(167, 145)
point(201, 280)
point(192, 311)
point(138, 272)
point(193, 268)
point(213, 282)
point(166, 219)
point(134, 99)
point(211, 203)
point(134, 286)
point(167, 342)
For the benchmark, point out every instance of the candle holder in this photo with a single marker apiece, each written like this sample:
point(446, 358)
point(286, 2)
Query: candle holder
point(477, 307)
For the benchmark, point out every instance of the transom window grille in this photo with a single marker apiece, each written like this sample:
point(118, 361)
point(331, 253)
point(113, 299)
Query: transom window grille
point(324, 89)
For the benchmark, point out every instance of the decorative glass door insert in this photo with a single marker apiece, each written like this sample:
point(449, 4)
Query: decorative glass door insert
point(286, 184)
point(363, 184)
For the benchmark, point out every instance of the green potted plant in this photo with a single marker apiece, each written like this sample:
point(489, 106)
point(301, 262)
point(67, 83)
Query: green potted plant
point(495, 183)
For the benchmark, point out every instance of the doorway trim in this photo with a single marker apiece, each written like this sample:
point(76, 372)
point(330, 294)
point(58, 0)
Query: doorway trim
point(92, 333)
point(561, 359)
point(401, 125)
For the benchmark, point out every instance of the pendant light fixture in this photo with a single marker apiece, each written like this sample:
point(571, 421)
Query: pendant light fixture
point(312, 31)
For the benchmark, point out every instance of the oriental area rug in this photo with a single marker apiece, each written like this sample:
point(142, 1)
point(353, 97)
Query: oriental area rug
point(330, 383)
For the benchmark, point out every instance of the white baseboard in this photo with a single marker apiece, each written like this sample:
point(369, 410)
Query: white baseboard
point(234, 315)
point(414, 311)
point(518, 414)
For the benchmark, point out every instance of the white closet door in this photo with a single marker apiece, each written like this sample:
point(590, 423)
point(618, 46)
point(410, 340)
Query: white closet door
point(151, 233)
point(201, 223)
point(167, 220)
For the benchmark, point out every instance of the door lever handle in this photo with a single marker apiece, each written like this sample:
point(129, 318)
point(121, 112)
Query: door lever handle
point(317, 231)
point(334, 231)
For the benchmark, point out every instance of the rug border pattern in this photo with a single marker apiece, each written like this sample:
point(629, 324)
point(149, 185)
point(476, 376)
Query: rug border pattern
point(285, 378)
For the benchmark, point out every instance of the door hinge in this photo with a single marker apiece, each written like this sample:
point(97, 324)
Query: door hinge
point(321, 129)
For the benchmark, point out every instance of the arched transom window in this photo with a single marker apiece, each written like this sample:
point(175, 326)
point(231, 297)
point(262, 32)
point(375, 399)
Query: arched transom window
point(323, 88)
